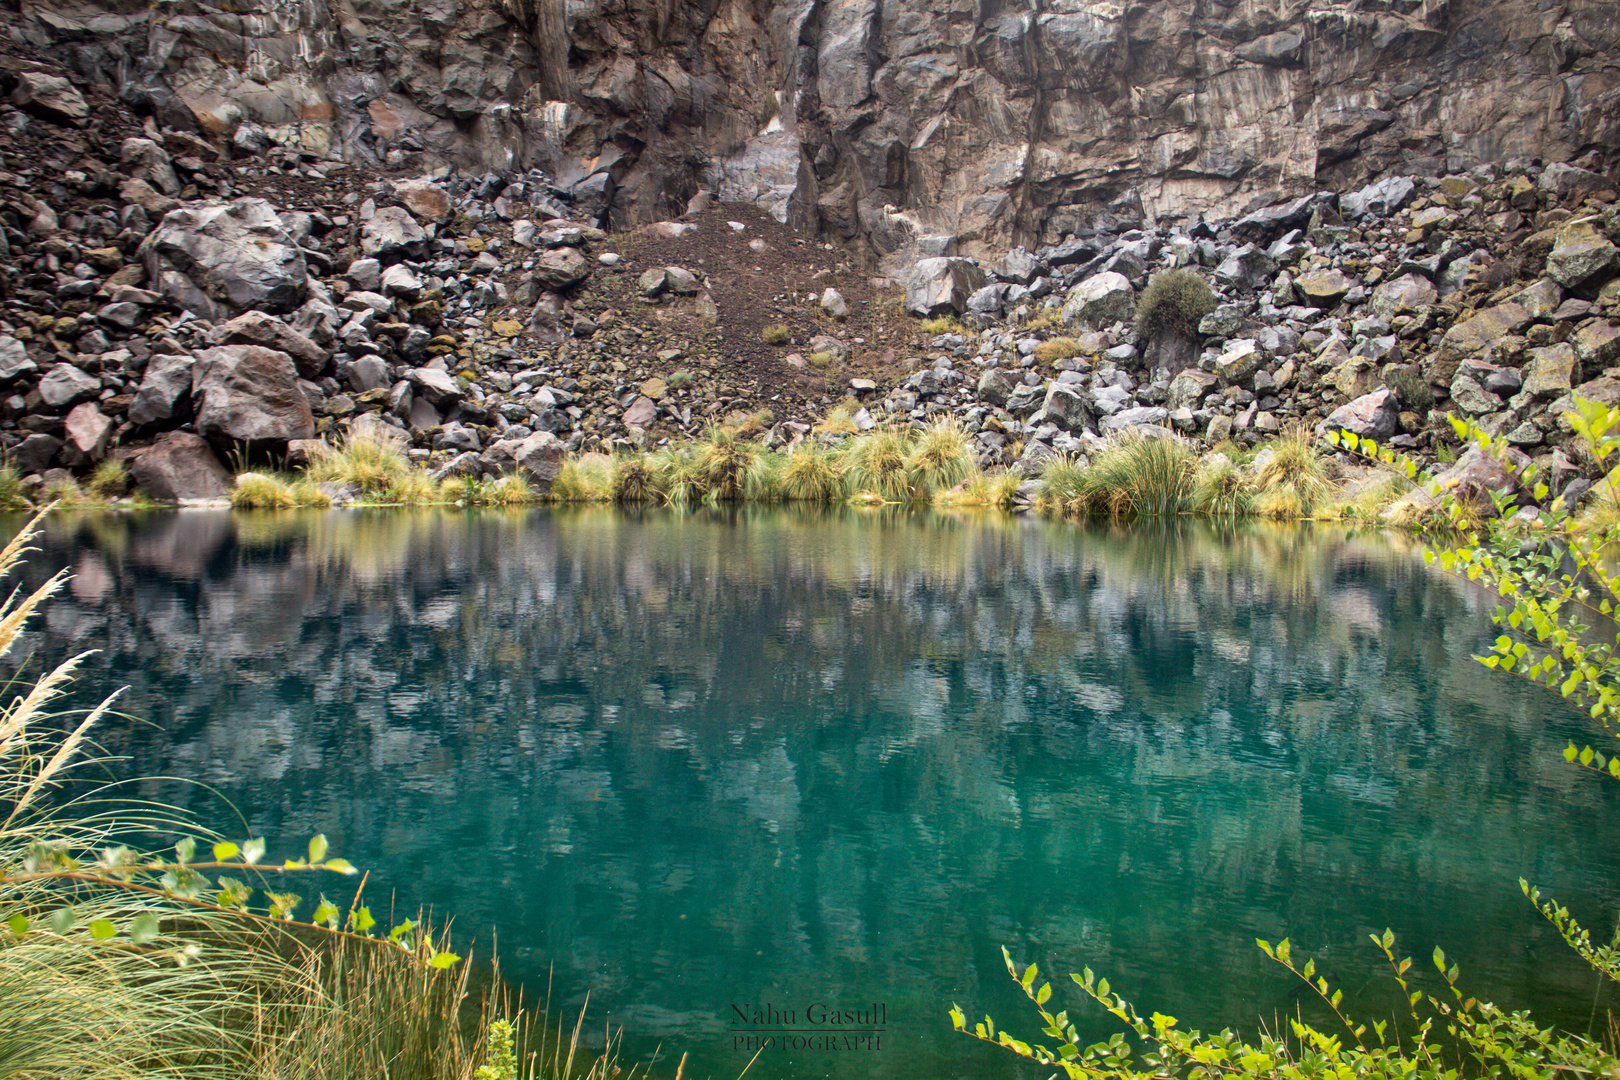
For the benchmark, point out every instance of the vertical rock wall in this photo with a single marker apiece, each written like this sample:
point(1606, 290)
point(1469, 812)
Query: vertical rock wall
point(897, 126)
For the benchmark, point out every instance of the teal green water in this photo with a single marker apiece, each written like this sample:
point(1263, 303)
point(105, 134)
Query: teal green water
point(764, 759)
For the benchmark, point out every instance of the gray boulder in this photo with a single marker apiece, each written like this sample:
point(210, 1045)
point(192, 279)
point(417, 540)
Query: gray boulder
point(87, 431)
point(66, 385)
point(1375, 416)
point(236, 253)
point(942, 285)
point(1100, 301)
point(165, 391)
point(257, 328)
point(392, 234)
point(180, 466)
point(996, 384)
point(249, 394)
point(1141, 420)
point(538, 459)
point(50, 97)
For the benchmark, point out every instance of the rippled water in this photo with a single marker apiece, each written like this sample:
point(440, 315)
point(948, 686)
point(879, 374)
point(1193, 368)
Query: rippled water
point(690, 762)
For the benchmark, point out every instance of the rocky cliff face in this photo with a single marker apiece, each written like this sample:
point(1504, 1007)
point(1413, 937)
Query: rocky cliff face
point(899, 127)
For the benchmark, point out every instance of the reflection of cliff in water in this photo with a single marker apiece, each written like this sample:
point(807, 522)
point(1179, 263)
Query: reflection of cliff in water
point(707, 754)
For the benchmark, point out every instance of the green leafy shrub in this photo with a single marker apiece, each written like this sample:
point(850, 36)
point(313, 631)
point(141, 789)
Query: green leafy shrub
point(1174, 302)
point(1412, 390)
point(679, 380)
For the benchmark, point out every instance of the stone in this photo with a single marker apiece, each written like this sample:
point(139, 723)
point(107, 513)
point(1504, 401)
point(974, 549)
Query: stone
point(364, 275)
point(1356, 376)
point(237, 254)
point(1403, 295)
point(833, 303)
point(537, 458)
point(642, 411)
point(257, 328)
point(1477, 476)
point(1552, 371)
point(392, 234)
point(435, 386)
point(425, 199)
point(400, 280)
point(66, 385)
point(1582, 256)
point(1141, 417)
point(35, 453)
point(996, 384)
point(146, 160)
point(681, 281)
point(180, 466)
point(87, 433)
point(1025, 399)
point(456, 437)
point(1379, 200)
point(165, 391)
point(1596, 344)
point(1375, 415)
point(1238, 363)
point(942, 285)
point(1100, 301)
point(1477, 336)
point(651, 282)
point(14, 359)
point(368, 373)
point(1247, 268)
point(249, 394)
point(655, 388)
point(1468, 395)
point(1190, 387)
point(1541, 299)
point(1066, 407)
point(50, 97)
point(560, 268)
point(1322, 288)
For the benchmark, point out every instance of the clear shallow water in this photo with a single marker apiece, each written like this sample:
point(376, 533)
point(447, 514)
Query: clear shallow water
point(682, 763)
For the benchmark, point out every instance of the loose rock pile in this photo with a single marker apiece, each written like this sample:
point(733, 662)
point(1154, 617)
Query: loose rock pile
point(176, 303)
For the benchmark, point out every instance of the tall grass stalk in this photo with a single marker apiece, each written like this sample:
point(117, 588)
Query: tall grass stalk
point(878, 466)
point(1137, 477)
point(813, 473)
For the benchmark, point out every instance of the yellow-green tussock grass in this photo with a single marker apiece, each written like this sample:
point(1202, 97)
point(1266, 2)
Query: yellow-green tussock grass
point(1055, 349)
point(261, 491)
point(940, 458)
point(1137, 476)
point(583, 479)
point(1222, 489)
point(813, 473)
point(372, 464)
point(1295, 465)
point(840, 420)
point(109, 479)
point(876, 464)
point(634, 480)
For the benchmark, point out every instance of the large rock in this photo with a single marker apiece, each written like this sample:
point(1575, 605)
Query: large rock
point(257, 328)
point(1322, 288)
point(14, 360)
point(538, 459)
point(1100, 301)
point(50, 97)
point(180, 466)
point(237, 254)
point(1189, 388)
point(249, 394)
point(1582, 257)
point(66, 385)
point(1356, 376)
point(1139, 419)
point(425, 199)
point(1375, 416)
point(560, 268)
point(435, 385)
point(1239, 361)
point(165, 391)
point(996, 383)
point(1597, 344)
point(1403, 296)
point(1066, 407)
point(391, 235)
point(942, 285)
point(146, 160)
point(1477, 336)
point(1380, 199)
point(1551, 371)
point(87, 431)
point(1477, 477)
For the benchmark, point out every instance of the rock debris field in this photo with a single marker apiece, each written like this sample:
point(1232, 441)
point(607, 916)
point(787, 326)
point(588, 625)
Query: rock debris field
point(180, 303)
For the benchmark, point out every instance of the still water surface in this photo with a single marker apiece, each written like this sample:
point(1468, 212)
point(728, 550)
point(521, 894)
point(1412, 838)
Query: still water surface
point(688, 762)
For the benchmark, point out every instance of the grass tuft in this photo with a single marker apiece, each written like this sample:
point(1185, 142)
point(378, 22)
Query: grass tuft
point(813, 473)
point(1055, 349)
point(261, 491)
point(776, 334)
point(877, 466)
point(1137, 477)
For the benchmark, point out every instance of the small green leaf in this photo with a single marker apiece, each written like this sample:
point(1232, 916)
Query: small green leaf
point(444, 960)
point(342, 866)
point(253, 851)
point(186, 849)
point(1570, 752)
point(317, 849)
point(60, 921)
point(144, 928)
point(226, 851)
point(102, 929)
point(360, 920)
point(1439, 959)
point(18, 924)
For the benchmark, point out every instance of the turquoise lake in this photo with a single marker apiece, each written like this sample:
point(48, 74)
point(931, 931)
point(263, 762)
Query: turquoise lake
point(705, 766)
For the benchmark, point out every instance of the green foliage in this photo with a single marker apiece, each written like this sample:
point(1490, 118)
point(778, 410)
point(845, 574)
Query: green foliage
point(1222, 489)
point(1174, 302)
point(679, 380)
point(940, 458)
point(877, 465)
point(109, 479)
point(501, 1062)
point(776, 334)
point(1136, 476)
point(11, 496)
point(584, 479)
point(720, 466)
point(375, 466)
point(943, 324)
point(813, 473)
point(1293, 482)
point(634, 480)
point(261, 491)
point(1560, 629)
